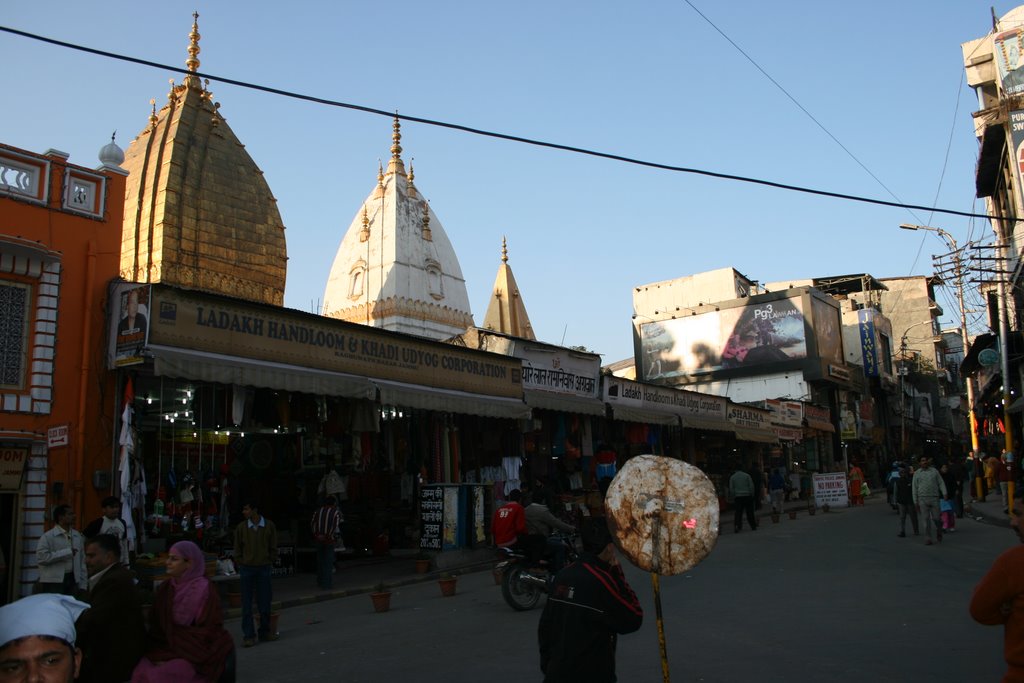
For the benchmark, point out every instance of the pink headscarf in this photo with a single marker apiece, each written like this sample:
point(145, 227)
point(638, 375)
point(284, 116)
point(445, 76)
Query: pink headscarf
point(191, 588)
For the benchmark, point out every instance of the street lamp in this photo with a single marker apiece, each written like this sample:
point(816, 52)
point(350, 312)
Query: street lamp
point(958, 275)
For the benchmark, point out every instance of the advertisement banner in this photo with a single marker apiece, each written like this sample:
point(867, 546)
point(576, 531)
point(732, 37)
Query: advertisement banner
point(12, 466)
point(191, 320)
point(868, 352)
point(624, 392)
point(785, 413)
point(827, 331)
point(1009, 49)
point(739, 337)
point(132, 331)
point(560, 372)
point(830, 489)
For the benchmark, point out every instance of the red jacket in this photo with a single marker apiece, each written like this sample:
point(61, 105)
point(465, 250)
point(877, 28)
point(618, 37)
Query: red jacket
point(1004, 585)
point(509, 524)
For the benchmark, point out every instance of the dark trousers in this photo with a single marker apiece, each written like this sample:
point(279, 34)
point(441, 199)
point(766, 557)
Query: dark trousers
point(67, 586)
point(744, 504)
point(255, 579)
point(908, 509)
point(325, 565)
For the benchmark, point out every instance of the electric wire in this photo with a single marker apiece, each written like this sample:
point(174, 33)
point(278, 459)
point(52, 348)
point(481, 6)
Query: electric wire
point(494, 134)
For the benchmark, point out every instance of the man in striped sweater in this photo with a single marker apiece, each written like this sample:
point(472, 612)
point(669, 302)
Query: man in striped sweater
point(325, 527)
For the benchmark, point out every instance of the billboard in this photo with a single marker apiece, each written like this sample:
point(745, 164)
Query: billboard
point(828, 331)
point(1009, 54)
point(741, 337)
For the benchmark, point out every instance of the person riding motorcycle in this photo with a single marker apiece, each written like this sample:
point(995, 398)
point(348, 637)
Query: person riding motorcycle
point(540, 523)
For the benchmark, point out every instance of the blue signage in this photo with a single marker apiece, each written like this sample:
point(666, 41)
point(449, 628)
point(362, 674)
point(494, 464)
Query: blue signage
point(868, 348)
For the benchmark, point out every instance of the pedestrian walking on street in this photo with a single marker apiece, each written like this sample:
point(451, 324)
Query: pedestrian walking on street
point(325, 526)
point(1004, 475)
point(905, 500)
point(856, 485)
point(777, 490)
point(928, 489)
point(960, 479)
point(589, 605)
point(997, 599)
point(60, 556)
point(947, 507)
point(255, 553)
point(742, 493)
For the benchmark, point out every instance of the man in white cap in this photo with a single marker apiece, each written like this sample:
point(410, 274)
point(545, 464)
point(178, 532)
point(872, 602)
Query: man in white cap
point(37, 639)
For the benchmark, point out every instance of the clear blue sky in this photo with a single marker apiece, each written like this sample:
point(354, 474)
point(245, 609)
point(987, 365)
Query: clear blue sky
point(650, 80)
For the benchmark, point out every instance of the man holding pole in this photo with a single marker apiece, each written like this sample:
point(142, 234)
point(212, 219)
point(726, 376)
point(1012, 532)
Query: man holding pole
point(589, 605)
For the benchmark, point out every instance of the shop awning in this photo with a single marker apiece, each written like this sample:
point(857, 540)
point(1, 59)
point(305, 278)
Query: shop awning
point(1016, 406)
point(567, 404)
point(214, 367)
point(449, 400)
point(627, 414)
point(710, 423)
point(821, 426)
point(758, 435)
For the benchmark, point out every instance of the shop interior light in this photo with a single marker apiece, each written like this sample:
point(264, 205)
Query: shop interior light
point(149, 400)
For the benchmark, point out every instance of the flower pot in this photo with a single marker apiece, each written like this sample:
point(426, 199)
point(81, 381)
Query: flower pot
point(792, 514)
point(234, 599)
point(447, 587)
point(775, 517)
point(422, 566)
point(381, 601)
point(811, 511)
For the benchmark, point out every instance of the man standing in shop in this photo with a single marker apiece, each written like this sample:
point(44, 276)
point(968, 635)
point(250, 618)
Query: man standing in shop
point(60, 556)
point(255, 553)
point(325, 528)
point(110, 523)
point(741, 492)
point(928, 489)
point(994, 598)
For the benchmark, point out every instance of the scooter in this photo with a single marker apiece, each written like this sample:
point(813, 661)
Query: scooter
point(523, 581)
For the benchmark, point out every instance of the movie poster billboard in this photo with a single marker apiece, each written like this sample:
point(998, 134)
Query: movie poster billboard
point(132, 330)
point(1009, 55)
point(827, 331)
point(741, 337)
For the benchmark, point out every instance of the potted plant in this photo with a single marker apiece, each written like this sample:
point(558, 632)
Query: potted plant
point(775, 517)
point(422, 563)
point(792, 514)
point(447, 584)
point(381, 598)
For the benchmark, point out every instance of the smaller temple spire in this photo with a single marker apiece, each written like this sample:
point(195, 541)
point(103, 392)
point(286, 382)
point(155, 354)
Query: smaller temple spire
point(504, 250)
point(378, 191)
point(506, 312)
point(426, 223)
point(364, 234)
point(395, 165)
point(192, 63)
point(412, 176)
point(152, 116)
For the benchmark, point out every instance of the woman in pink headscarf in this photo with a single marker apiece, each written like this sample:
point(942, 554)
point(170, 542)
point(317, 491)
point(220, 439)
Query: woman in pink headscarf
point(187, 642)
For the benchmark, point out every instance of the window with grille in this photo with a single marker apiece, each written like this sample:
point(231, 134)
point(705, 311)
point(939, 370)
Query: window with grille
point(14, 315)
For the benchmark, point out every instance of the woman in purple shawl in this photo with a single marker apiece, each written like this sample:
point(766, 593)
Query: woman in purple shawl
point(187, 642)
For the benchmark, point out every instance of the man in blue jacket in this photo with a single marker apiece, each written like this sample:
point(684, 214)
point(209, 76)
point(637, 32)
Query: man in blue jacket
point(589, 605)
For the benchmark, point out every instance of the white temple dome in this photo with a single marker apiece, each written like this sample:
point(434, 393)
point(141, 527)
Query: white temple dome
point(111, 154)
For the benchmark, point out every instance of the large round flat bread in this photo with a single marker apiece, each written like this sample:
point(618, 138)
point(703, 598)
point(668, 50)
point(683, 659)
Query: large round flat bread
point(653, 494)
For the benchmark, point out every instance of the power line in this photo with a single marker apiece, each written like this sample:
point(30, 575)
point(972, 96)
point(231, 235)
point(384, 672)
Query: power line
point(494, 134)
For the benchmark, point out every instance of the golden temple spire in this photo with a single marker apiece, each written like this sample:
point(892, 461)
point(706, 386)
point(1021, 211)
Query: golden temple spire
point(378, 191)
point(192, 63)
point(412, 176)
point(364, 234)
point(395, 165)
point(152, 115)
point(426, 223)
point(504, 250)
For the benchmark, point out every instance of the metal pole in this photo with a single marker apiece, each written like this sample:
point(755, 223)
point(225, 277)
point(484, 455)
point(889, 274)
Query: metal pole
point(1004, 366)
point(656, 582)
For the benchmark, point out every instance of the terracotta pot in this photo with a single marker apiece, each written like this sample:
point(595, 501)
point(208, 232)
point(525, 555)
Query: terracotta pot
point(811, 511)
point(381, 601)
point(447, 587)
point(422, 566)
point(234, 599)
point(792, 514)
point(775, 517)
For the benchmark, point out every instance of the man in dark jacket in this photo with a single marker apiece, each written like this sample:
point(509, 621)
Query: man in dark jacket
point(590, 603)
point(111, 633)
point(905, 499)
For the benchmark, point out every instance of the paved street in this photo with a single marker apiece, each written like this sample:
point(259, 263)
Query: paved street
point(835, 597)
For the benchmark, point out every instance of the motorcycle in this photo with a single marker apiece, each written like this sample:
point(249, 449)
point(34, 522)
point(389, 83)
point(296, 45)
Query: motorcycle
point(523, 579)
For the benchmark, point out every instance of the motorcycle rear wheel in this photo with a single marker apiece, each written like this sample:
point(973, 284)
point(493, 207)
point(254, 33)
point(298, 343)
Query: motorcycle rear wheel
point(520, 595)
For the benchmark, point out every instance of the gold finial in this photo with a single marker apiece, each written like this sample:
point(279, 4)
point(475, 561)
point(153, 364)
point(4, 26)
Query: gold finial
point(412, 176)
point(193, 45)
point(364, 234)
point(152, 115)
point(426, 222)
point(396, 138)
point(380, 173)
point(504, 250)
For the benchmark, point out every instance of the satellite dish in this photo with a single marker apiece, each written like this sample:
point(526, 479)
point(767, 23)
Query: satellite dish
point(663, 514)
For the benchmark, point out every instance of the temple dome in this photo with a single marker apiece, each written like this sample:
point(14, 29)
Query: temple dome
point(198, 212)
point(111, 154)
point(395, 268)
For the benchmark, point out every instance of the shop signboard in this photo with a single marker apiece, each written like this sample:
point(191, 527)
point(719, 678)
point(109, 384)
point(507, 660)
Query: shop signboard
point(868, 350)
point(193, 320)
point(12, 466)
point(785, 413)
point(1009, 54)
point(754, 334)
point(560, 372)
point(749, 417)
point(819, 418)
point(58, 436)
point(431, 517)
point(830, 489)
point(624, 392)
